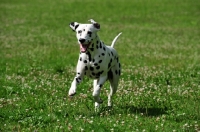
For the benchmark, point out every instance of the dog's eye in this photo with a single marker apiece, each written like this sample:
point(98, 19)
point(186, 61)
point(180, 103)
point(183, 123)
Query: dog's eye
point(89, 32)
point(79, 31)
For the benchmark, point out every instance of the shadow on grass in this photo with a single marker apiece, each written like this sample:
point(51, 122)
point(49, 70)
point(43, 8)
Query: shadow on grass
point(134, 110)
point(146, 111)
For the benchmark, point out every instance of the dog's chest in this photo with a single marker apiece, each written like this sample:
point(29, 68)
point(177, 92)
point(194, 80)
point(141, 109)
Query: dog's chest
point(95, 64)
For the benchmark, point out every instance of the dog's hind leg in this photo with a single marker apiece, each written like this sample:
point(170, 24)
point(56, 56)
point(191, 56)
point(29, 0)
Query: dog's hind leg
point(113, 79)
point(113, 89)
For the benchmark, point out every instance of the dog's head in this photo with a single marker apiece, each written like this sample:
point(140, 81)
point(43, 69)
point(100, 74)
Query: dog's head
point(85, 33)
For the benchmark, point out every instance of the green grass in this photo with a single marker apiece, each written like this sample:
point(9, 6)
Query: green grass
point(159, 50)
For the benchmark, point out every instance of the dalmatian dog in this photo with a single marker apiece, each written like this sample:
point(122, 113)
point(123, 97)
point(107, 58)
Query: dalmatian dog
point(96, 60)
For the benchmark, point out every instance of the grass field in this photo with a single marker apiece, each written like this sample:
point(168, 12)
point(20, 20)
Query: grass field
point(159, 50)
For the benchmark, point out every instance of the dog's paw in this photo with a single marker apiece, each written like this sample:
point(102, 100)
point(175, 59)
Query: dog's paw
point(71, 92)
point(71, 95)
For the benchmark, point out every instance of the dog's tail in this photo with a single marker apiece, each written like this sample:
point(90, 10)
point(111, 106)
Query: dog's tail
point(115, 39)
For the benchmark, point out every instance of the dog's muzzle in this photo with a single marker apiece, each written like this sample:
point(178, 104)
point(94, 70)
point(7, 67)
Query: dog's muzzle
point(83, 47)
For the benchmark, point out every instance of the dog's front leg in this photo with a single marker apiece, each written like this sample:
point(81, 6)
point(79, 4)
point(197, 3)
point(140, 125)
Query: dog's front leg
point(79, 77)
point(72, 90)
point(96, 92)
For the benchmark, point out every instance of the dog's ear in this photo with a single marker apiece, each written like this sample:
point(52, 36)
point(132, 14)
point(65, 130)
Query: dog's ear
point(96, 25)
point(74, 25)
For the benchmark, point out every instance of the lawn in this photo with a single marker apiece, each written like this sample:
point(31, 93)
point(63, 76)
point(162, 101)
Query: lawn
point(159, 49)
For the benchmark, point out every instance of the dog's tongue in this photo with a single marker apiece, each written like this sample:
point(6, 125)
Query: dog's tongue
point(83, 47)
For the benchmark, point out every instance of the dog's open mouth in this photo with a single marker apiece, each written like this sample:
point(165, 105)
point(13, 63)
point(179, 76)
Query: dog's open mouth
point(84, 47)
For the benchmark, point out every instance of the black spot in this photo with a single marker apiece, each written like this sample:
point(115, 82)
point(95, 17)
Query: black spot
point(99, 73)
point(97, 46)
point(100, 85)
point(85, 61)
point(72, 23)
point(95, 64)
point(109, 54)
point(80, 59)
point(103, 54)
point(91, 68)
point(100, 61)
point(92, 49)
point(86, 68)
point(109, 65)
point(92, 45)
point(119, 65)
point(78, 80)
point(97, 41)
point(78, 73)
point(112, 53)
point(98, 67)
point(116, 72)
point(119, 72)
point(89, 56)
point(93, 73)
point(79, 31)
point(99, 56)
point(93, 60)
point(110, 74)
point(104, 48)
point(76, 26)
point(100, 45)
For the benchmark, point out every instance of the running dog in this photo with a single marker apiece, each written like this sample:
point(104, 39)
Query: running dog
point(96, 60)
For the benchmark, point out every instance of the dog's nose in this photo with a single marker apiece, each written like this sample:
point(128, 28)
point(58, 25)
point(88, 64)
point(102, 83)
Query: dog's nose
point(81, 40)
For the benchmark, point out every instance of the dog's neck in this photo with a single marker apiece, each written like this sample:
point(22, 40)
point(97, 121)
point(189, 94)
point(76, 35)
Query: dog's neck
point(94, 47)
